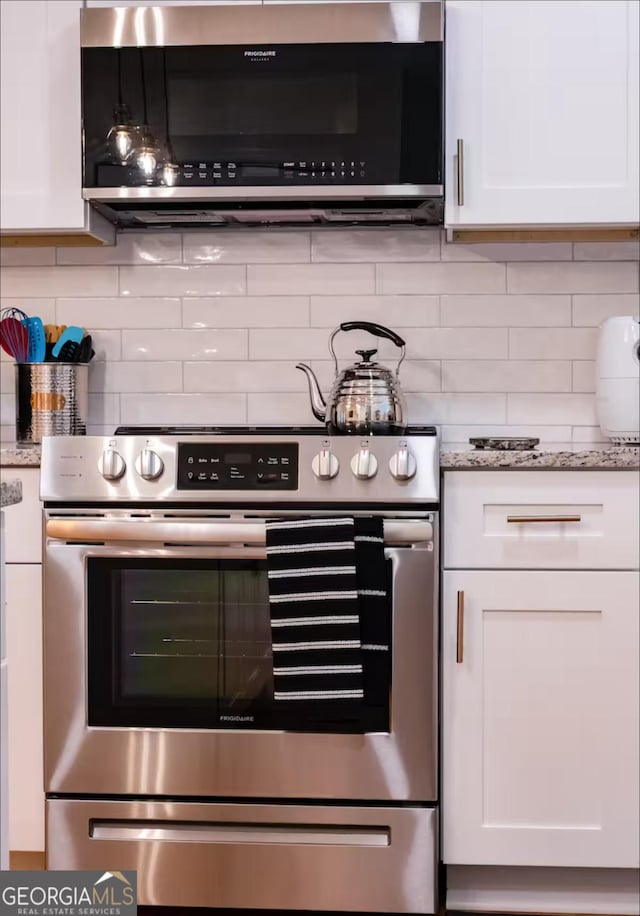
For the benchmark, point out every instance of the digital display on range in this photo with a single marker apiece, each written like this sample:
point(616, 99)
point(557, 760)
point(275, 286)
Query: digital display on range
point(262, 466)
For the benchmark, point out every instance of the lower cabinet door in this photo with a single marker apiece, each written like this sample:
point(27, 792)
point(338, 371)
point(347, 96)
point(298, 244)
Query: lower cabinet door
point(540, 719)
point(23, 585)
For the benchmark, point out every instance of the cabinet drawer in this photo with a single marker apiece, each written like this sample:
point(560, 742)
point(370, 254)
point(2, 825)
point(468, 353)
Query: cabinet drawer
point(23, 522)
point(541, 519)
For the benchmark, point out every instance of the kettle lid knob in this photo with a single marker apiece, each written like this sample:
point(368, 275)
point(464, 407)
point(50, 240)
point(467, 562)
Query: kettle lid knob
point(366, 355)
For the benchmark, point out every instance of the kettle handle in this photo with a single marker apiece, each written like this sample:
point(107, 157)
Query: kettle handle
point(378, 330)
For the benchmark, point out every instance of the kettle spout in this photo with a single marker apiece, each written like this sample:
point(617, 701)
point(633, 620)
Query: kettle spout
point(318, 404)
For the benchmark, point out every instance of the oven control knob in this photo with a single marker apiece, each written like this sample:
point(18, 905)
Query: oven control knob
point(149, 464)
point(325, 465)
point(364, 464)
point(402, 465)
point(112, 465)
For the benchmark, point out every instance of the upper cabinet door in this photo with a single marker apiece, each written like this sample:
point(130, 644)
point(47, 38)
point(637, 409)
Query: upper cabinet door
point(41, 139)
point(543, 99)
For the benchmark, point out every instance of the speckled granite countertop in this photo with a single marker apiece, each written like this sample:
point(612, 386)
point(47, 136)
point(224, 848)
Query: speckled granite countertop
point(10, 493)
point(606, 457)
point(12, 457)
point(456, 457)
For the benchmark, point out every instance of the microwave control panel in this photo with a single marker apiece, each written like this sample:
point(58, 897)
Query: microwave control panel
point(238, 466)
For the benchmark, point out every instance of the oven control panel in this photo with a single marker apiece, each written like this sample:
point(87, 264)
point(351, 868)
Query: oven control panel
point(237, 466)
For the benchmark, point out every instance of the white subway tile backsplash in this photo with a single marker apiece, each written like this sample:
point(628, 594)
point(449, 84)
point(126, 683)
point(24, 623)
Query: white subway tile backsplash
point(394, 311)
point(363, 245)
point(440, 278)
point(310, 279)
point(104, 410)
point(205, 409)
point(457, 408)
point(507, 251)
point(607, 251)
point(106, 344)
point(43, 308)
point(207, 327)
point(246, 312)
point(131, 248)
point(584, 375)
point(27, 257)
point(505, 311)
point(120, 312)
point(551, 408)
point(254, 376)
point(246, 247)
point(457, 343)
point(592, 310)
point(209, 344)
point(506, 375)
point(183, 280)
point(115, 376)
point(8, 410)
point(58, 281)
point(561, 343)
point(281, 409)
point(589, 435)
point(583, 277)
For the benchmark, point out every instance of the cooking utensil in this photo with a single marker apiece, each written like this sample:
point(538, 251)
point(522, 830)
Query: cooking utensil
point(366, 397)
point(14, 338)
point(37, 343)
point(72, 333)
point(504, 443)
point(85, 352)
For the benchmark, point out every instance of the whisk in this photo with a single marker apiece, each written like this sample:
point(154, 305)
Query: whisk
point(14, 337)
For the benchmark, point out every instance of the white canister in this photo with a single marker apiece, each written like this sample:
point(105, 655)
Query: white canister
point(618, 379)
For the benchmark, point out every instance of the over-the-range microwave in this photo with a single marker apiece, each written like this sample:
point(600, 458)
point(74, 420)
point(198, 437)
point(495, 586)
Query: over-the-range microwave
point(285, 113)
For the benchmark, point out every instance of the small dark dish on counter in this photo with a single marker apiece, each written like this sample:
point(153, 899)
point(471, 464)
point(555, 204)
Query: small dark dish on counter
point(504, 443)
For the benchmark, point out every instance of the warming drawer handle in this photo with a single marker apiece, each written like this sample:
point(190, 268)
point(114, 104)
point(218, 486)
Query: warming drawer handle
point(192, 532)
point(532, 519)
point(262, 834)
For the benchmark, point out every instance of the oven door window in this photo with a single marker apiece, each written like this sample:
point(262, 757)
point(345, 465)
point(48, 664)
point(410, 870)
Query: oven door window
point(187, 644)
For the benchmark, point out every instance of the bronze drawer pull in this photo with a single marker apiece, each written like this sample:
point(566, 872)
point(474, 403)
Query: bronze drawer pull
point(527, 519)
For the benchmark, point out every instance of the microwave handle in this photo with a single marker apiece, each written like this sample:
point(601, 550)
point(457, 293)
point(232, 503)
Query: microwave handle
point(201, 533)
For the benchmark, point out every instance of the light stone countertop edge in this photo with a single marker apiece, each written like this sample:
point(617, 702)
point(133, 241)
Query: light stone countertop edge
point(12, 457)
point(606, 457)
point(10, 493)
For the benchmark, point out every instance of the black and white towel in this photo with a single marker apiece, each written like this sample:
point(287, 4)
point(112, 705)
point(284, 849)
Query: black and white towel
point(327, 594)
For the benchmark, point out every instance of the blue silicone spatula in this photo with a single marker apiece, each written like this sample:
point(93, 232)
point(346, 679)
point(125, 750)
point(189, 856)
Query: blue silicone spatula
point(37, 340)
point(71, 334)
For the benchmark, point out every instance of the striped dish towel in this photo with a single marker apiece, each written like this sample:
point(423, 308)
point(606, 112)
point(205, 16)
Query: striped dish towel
point(313, 599)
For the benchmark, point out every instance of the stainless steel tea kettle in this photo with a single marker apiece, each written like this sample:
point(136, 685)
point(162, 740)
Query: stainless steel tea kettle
point(366, 398)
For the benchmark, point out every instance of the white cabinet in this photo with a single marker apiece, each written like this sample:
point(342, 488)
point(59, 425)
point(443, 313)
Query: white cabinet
point(540, 719)
point(23, 593)
point(41, 137)
point(540, 672)
point(544, 97)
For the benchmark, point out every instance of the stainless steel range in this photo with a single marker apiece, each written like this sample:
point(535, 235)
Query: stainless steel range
point(165, 748)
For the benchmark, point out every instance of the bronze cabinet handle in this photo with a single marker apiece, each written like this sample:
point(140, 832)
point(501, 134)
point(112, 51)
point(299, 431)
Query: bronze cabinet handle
point(531, 519)
point(460, 630)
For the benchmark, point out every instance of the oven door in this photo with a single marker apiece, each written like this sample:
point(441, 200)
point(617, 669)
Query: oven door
point(159, 674)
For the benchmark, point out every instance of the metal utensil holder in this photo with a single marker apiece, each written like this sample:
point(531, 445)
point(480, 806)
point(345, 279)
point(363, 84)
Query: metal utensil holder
point(52, 399)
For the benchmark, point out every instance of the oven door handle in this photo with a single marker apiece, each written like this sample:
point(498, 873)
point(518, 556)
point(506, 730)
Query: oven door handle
point(272, 834)
point(185, 533)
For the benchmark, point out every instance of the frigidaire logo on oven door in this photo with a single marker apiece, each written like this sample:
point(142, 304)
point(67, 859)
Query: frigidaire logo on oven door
point(236, 718)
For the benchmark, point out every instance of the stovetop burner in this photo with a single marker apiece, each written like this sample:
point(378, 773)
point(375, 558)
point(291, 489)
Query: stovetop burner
point(246, 431)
